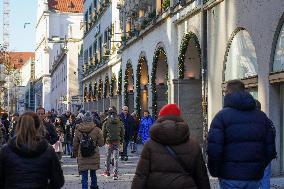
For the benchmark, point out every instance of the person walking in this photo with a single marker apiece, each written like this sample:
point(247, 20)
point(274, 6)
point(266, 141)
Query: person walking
point(69, 133)
point(171, 155)
point(58, 146)
point(240, 141)
point(50, 132)
point(133, 145)
point(1, 135)
point(14, 121)
point(265, 181)
point(86, 141)
point(145, 124)
point(113, 134)
point(6, 124)
point(28, 161)
point(60, 130)
point(128, 123)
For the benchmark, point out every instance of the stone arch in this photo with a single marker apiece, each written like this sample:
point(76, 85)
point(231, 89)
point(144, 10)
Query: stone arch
point(100, 89)
point(183, 50)
point(129, 86)
point(276, 67)
point(142, 79)
point(247, 64)
point(113, 85)
point(159, 61)
point(106, 87)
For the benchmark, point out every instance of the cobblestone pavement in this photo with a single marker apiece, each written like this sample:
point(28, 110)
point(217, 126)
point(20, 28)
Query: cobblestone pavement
point(126, 173)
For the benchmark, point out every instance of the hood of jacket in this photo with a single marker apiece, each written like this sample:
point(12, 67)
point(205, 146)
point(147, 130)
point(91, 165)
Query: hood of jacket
point(28, 153)
point(86, 127)
point(240, 101)
point(170, 130)
point(114, 120)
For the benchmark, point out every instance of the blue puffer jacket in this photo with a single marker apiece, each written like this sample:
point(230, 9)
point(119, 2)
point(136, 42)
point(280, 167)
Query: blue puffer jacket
point(144, 129)
point(241, 140)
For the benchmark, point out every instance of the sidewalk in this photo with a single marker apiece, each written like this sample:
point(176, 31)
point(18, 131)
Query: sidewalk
point(126, 173)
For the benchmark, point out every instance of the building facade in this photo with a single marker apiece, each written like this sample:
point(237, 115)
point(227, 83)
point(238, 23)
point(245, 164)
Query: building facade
point(26, 100)
point(185, 51)
point(58, 26)
point(11, 92)
point(102, 39)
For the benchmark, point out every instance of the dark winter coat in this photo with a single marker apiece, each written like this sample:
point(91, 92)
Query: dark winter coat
point(157, 169)
point(26, 169)
point(6, 125)
point(113, 131)
point(69, 132)
point(129, 124)
point(13, 129)
point(1, 135)
point(93, 162)
point(51, 135)
point(241, 140)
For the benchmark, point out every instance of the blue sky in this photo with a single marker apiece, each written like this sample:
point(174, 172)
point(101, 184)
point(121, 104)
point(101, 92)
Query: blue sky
point(22, 11)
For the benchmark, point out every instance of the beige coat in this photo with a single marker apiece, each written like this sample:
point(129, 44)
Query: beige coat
point(93, 162)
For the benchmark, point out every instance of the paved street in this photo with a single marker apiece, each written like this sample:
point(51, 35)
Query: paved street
point(126, 173)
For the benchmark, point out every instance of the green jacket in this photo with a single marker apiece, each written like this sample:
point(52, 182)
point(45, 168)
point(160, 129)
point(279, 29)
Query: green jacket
point(113, 131)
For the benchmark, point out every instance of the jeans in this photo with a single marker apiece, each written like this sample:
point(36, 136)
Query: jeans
point(238, 184)
point(265, 181)
point(69, 148)
point(112, 149)
point(94, 182)
point(133, 146)
point(125, 146)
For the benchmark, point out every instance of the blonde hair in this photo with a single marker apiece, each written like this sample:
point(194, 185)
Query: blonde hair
point(29, 130)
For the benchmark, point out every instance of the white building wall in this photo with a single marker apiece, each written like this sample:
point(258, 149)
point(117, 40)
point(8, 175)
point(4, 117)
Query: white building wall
point(51, 24)
point(260, 21)
point(25, 73)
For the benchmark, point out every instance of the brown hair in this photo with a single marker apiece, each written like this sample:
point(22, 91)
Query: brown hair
point(235, 86)
point(29, 130)
point(40, 108)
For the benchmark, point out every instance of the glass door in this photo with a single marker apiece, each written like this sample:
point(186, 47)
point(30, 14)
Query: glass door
point(282, 127)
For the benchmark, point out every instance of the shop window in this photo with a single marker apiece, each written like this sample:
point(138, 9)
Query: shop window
point(241, 61)
point(279, 53)
point(282, 127)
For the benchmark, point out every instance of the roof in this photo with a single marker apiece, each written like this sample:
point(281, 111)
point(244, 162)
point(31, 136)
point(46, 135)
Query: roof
point(20, 58)
point(72, 6)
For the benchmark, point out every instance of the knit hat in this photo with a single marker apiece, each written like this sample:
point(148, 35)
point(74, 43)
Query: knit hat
point(88, 117)
point(170, 109)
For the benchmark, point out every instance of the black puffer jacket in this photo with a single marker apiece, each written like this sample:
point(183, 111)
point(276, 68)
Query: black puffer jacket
point(26, 169)
point(51, 135)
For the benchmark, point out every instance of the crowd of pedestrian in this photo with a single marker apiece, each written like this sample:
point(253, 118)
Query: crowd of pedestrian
point(241, 146)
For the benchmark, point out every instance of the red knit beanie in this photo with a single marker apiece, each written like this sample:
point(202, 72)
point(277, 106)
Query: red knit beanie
point(170, 109)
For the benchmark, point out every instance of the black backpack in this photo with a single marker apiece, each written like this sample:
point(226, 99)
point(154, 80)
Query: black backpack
point(87, 145)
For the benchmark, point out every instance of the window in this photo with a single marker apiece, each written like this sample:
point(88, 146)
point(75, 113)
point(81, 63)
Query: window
point(95, 4)
point(100, 48)
point(85, 56)
point(278, 64)
point(86, 20)
point(90, 52)
point(241, 59)
point(95, 46)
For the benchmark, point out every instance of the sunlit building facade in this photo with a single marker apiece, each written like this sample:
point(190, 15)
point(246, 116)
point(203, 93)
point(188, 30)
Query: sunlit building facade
point(184, 52)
